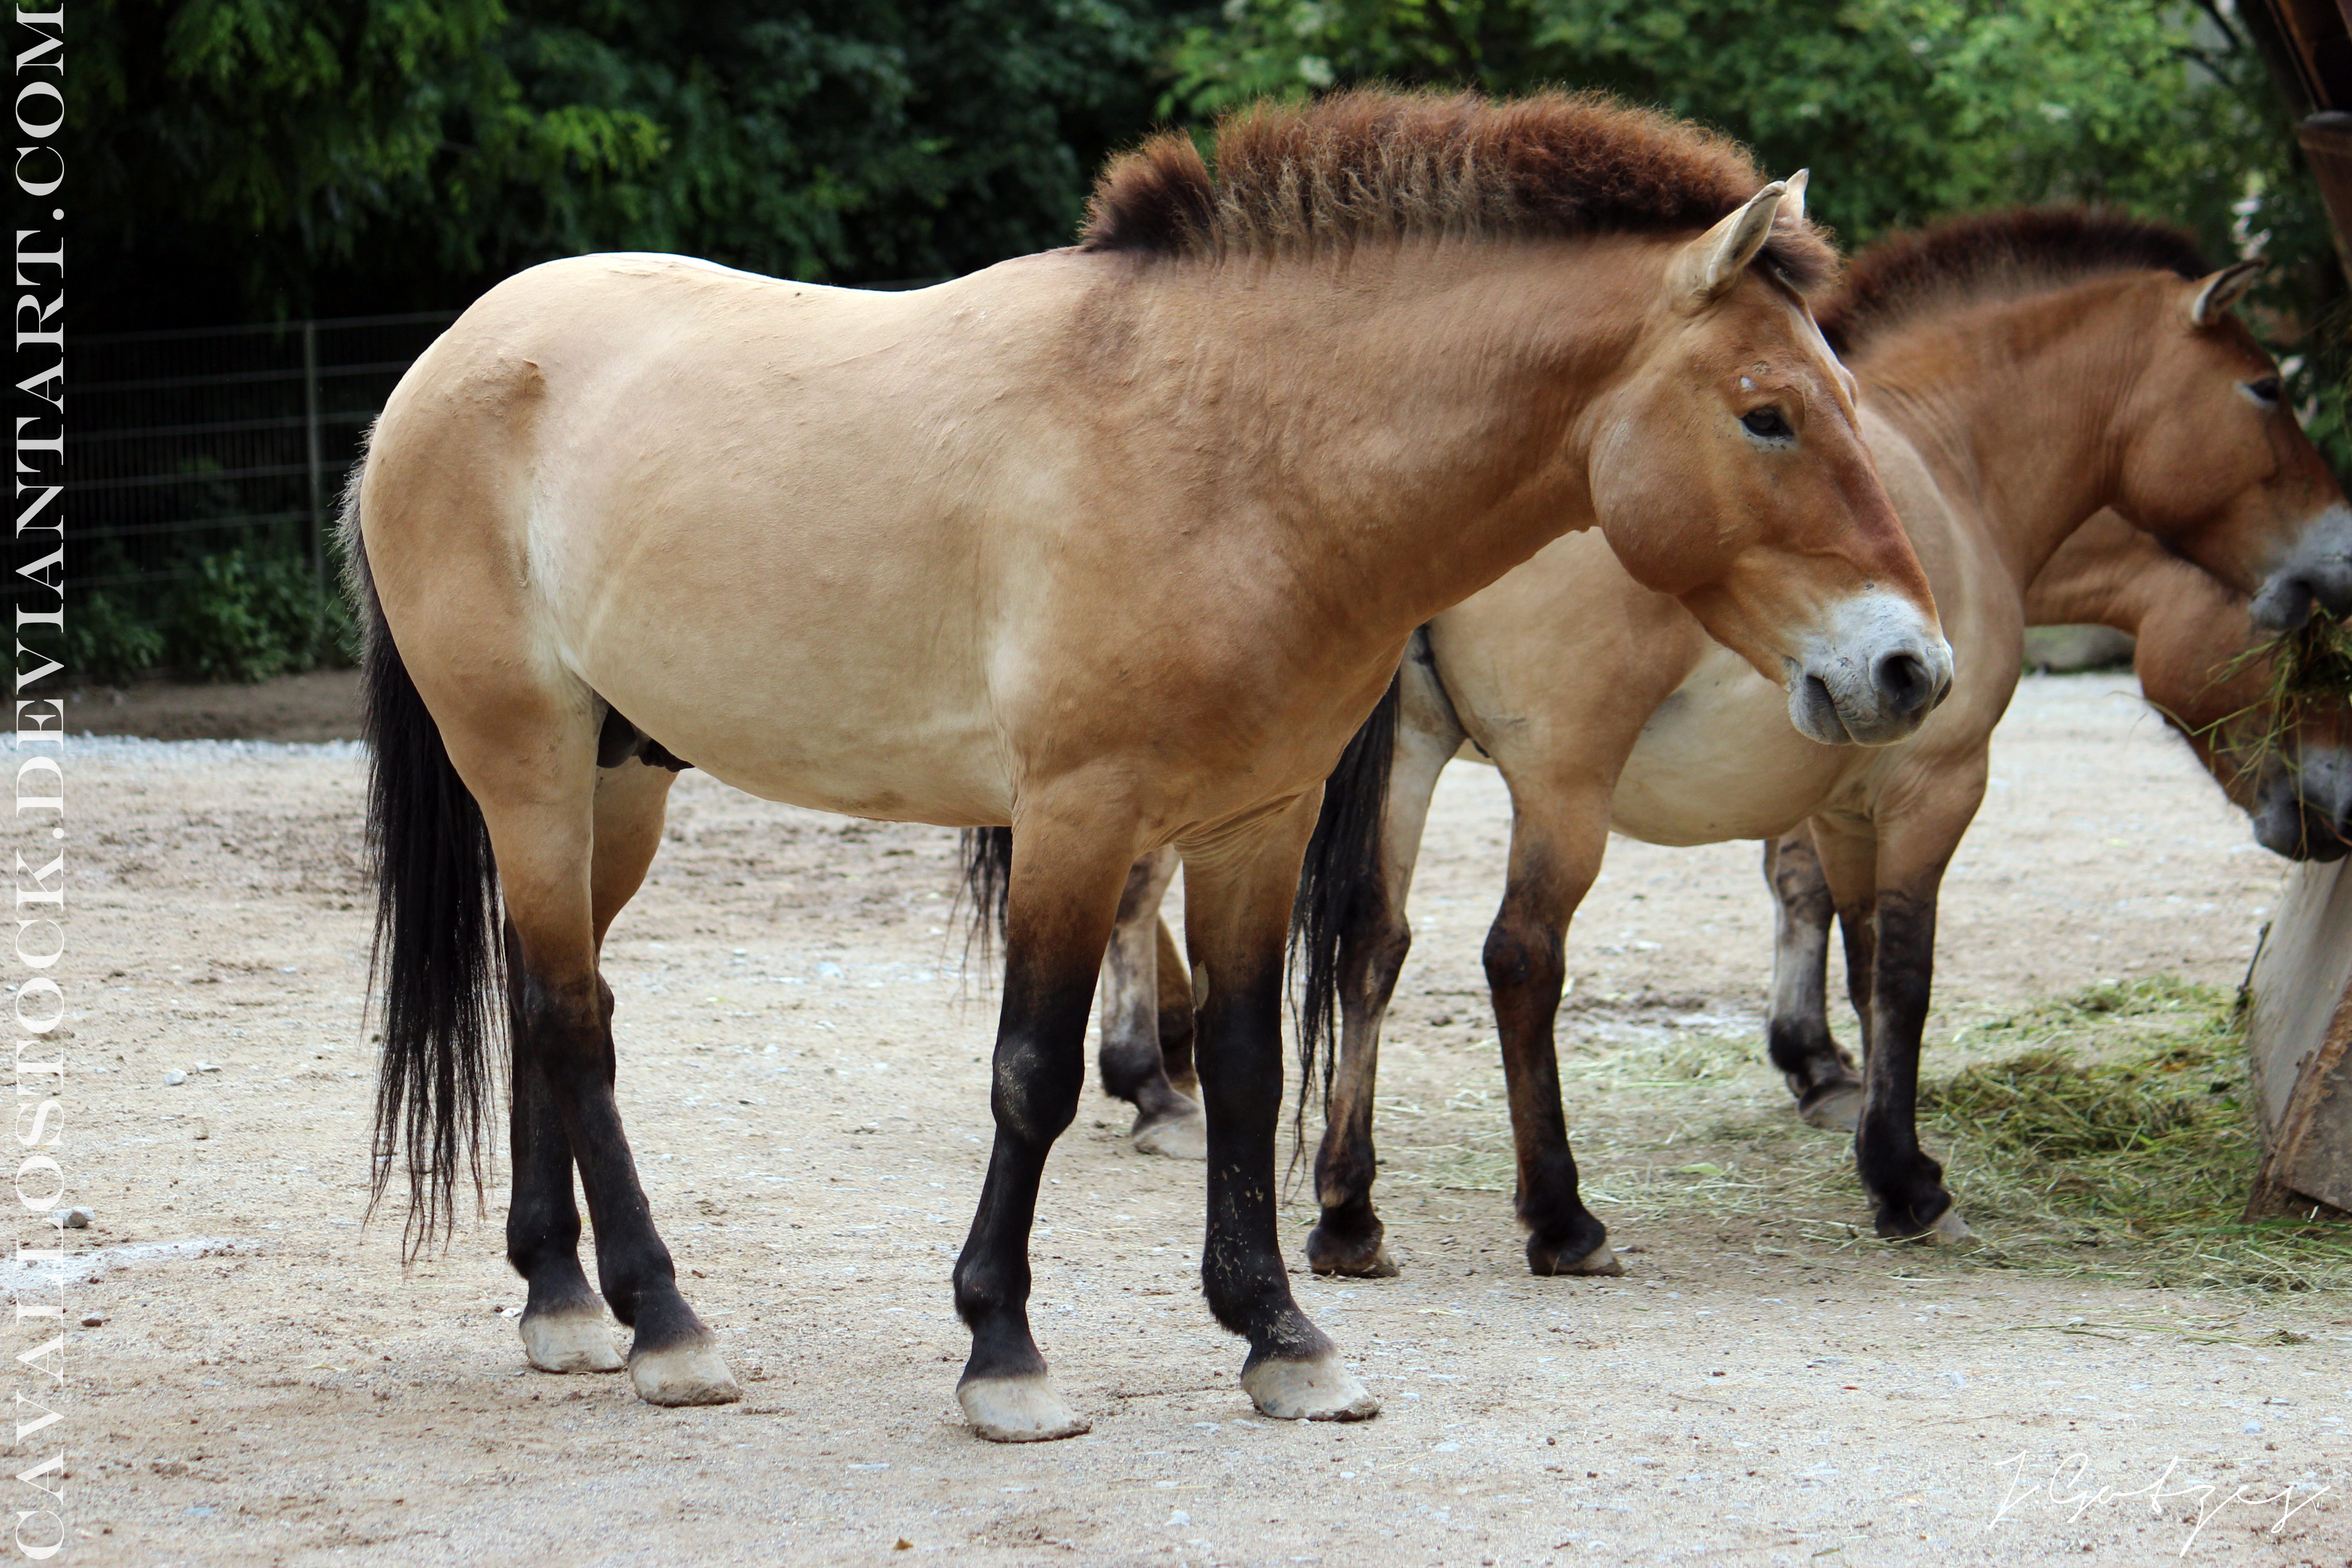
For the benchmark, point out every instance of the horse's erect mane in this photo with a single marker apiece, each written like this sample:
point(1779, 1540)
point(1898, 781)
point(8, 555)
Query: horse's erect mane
point(1374, 165)
point(1996, 255)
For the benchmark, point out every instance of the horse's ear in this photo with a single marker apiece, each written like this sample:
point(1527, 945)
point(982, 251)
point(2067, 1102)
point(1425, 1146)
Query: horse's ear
point(2216, 294)
point(1713, 262)
point(1793, 206)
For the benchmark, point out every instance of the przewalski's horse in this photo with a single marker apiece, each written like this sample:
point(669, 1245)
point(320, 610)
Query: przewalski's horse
point(1116, 544)
point(2192, 658)
point(2198, 669)
point(2020, 372)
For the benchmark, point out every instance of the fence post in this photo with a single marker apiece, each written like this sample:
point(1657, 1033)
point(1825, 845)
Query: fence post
point(318, 509)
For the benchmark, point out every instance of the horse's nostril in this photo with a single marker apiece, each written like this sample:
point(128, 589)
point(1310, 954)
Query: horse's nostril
point(1904, 681)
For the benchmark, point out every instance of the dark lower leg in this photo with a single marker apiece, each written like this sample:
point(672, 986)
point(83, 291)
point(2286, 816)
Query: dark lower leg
point(563, 1037)
point(1798, 1035)
point(1348, 1237)
point(1131, 1059)
point(1040, 1068)
point(1526, 970)
point(543, 1221)
point(1906, 1182)
point(1240, 1056)
point(1175, 1014)
point(1858, 928)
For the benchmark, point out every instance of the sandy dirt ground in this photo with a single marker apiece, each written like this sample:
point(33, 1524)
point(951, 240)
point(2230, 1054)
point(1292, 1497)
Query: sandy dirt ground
point(802, 1067)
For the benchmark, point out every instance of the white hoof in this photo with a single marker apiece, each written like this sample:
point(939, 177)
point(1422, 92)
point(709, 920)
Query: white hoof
point(1602, 1262)
point(690, 1374)
point(571, 1342)
point(1320, 1389)
point(1184, 1137)
point(1017, 1410)
point(1950, 1227)
point(1840, 1112)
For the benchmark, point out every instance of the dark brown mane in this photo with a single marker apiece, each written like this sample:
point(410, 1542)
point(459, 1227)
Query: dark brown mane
point(1382, 165)
point(1997, 255)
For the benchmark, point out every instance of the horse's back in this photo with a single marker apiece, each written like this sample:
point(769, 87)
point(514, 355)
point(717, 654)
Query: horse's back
point(757, 516)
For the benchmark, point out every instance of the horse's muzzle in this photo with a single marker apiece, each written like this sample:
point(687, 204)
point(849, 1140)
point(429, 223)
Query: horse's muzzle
point(1871, 677)
point(2304, 811)
point(2316, 571)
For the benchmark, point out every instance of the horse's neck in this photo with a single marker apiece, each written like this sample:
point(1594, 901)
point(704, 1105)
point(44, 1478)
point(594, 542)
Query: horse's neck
point(2013, 405)
point(2107, 575)
point(1410, 412)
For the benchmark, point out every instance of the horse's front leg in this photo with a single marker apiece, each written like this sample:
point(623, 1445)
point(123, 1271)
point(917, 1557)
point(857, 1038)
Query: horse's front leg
point(1905, 1182)
point(1559, 831)
point(1239, 886)
point(1133, 1068)
point(1819, 1072)
point(1068, 869)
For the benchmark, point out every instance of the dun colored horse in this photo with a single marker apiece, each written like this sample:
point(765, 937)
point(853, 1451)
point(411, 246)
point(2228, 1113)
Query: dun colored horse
point(2020, 372)
point(2197, 667)
point(1117, 544)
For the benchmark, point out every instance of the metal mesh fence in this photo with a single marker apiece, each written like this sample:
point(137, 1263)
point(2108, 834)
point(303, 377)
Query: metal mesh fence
point(186, 444)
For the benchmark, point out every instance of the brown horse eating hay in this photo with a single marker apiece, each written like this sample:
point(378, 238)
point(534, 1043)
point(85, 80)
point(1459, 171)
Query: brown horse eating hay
point(1117, 544)
point(2020, 372)
point(2197, 666)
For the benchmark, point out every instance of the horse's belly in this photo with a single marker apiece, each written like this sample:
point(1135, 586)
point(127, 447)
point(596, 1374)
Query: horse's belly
point(898, 768)
point(1720, 761)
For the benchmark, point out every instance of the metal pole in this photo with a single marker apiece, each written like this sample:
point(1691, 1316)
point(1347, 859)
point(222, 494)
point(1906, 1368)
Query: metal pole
point(317, 490)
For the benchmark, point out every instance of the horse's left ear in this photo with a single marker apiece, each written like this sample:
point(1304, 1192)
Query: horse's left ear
point(1793, 202)
point(2216, 294)
point(1713, 262)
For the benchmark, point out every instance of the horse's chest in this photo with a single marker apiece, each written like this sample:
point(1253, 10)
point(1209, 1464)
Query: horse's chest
point(1719, 760)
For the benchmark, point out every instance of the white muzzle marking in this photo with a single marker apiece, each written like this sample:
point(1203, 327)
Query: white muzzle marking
point(1869, 673)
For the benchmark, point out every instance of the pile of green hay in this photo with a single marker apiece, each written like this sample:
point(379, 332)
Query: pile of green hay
point(2119, 1139)
point(2106, 1134)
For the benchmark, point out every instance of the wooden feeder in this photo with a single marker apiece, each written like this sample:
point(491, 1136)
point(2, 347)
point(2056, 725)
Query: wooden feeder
point(2298, 1029)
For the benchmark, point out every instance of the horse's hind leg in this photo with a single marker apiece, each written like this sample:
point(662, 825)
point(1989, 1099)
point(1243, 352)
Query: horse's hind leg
point(1819, 1073)
point(1349, 1235)
point(537, 786)
point(1133, 1069)
point(563, 1324)
point(1175, 1015)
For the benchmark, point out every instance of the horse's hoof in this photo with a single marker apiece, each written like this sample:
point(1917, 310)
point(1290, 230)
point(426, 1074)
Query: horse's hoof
point(1182, 1136)
point(1017, 1409)
point(1839, 1111)
point(1353, 1260)
point(1946, 1229)
point(1320, 1388)
point(690, 1373)
point(1601, 1261)
point(577, 1340)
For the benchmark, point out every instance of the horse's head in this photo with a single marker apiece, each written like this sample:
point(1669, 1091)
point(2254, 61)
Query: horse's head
point(1728, 472)
point(2214, 463)
point(2290, 772)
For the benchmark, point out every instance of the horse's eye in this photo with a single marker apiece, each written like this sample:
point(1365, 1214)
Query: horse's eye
point(2265, 391)
point(1766, 424)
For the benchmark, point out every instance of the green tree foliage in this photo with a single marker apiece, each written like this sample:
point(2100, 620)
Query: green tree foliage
point(1905, 111)
point(243, 158)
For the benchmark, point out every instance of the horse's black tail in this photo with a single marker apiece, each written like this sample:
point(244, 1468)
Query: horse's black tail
point(988, 883)
point(437, 961)
point(1342, 870)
